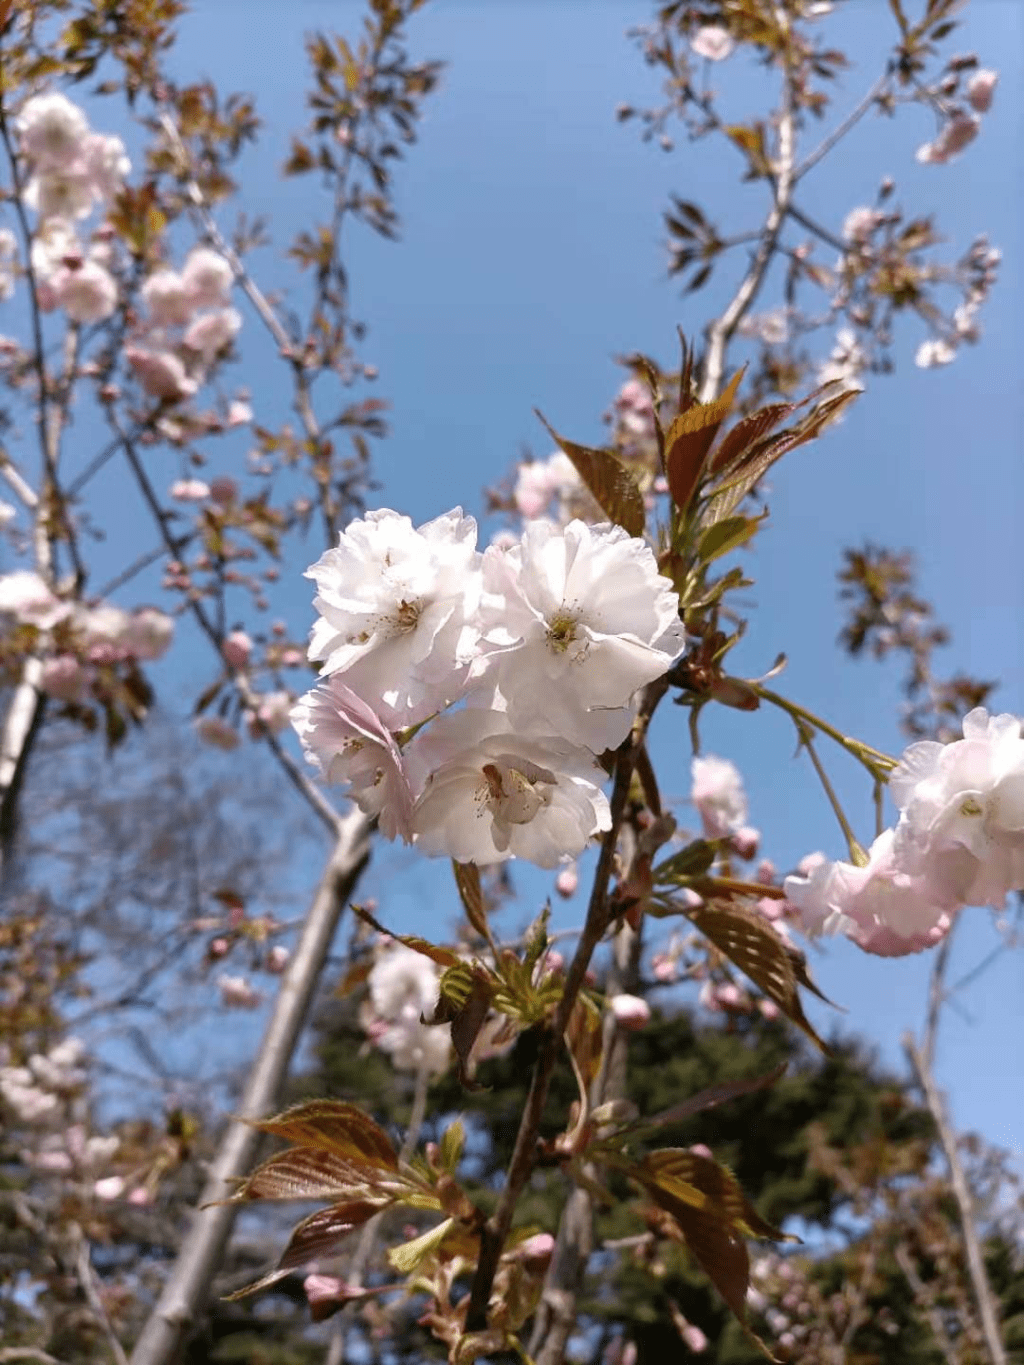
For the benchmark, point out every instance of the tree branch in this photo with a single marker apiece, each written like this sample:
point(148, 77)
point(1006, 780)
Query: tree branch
point(202, 1249)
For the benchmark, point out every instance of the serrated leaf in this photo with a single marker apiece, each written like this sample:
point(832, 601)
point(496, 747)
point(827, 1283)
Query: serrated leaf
point(319, 1235)
point(410, 1255)
point(746, 432)
point(760, 458)
point(750, 942)
point(312, 1173)
point(333, 1126)
point(467, 879)
point(613, 487)
point(726, 535)
point(689, 439)
point(444, 957)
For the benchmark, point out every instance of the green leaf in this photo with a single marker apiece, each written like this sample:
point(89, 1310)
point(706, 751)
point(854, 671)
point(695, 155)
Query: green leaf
point(692, 861)
point(612, 485)
point(727, 535)
point(453, 1140)
point(410, 1255)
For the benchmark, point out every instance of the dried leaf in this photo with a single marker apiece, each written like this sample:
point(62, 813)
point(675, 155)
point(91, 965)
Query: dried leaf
point(333, 1126)
point(689, 439)
point(613, 487)
point(467, 879)
point(752, 944)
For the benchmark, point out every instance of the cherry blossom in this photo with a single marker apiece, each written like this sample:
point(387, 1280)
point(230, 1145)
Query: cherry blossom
point(160, 373)
point(881, 906)
point(167, 299)
point(980, 89)
point(962, 810)
point(52, 131)
point(395, 607)
point(207, 278)
point(237, 993)
point(23, 594)
point(87, 294)
point(575, 621)
point(236, 649)
point(344, 737)
point(403, 991)
point(211, 332)
point(718, 794)
point(631, 1012)
point(490, 793)
point(955, 135)
point(216, 732)
point(712, 42)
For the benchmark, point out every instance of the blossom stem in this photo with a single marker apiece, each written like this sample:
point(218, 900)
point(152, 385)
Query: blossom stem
point(878, 763)
point(857, 855)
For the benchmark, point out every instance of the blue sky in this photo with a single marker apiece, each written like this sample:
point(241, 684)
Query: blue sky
point(533, 252)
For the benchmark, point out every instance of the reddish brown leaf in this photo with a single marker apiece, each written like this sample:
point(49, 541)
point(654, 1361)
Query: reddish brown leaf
point(752, 944)
point(467, 879)
point(319, 1235)
point(584, 1037)
point(689, 439)
point(737, 441)
point(312, 1173)
point(444, 957)
point(333, 1126)
point(710, 1098)
point(613, 487)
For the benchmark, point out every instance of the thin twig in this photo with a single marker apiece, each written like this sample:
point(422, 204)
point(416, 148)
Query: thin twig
point(91, 1289)
point(839, 132)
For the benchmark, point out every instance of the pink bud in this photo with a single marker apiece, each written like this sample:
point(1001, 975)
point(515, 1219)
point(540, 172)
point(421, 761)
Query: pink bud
point(765, 873)
point(140, 1196)
point(536, 1251)
point(769, 1009)
point(236, 649)
point(630, 1011)
point(567, 882)
point(277, 958)
point(694, 1338)
point(223, 490)
point(664, 967)
point(190, 490)
point(729, 995)
point(699, 1149)
point(745, 842)
point(64, 678)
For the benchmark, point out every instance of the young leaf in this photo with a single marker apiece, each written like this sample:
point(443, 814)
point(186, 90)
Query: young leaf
point(464, 1001)
point(319, 1235)
point(689, 439)
point(312, 1173)
point(584, 1037)
point(333, 1126)
point(613, 487)
point(453, 1139)
point(444, 957)
point(727, 535)
point(737, 441)
point(409, 1255)
point(467, 879)
point(753, 945)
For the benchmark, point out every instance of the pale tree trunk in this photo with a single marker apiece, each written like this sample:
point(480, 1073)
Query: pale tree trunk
point(202, 1251)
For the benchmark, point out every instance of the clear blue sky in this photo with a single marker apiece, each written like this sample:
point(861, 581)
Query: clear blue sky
point(533, 252)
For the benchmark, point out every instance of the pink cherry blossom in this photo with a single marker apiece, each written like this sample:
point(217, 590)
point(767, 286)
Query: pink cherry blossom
point(717, 792)
point(167, 299)
point(190, 490)
point(65, 678)
point(980, 89)
point(631, 1011)
point(236, 649)
point(955, 135)
point(207, 277)
point(160, 373)
point(209, 333)
point(87, 294)
point(237, 993)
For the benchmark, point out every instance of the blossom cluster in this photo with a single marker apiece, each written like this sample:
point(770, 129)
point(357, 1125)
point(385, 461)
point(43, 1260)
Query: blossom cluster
point(403, 991)
point(73, 170)
point(959, 841)
point(466, 697)
point(78, 640)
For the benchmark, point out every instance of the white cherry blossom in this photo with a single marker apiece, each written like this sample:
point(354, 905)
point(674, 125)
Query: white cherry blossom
point(403, 991)
point(395, 607)
point(575, 622)
point(718, 794)
point(52, 131)
point(489, 793)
